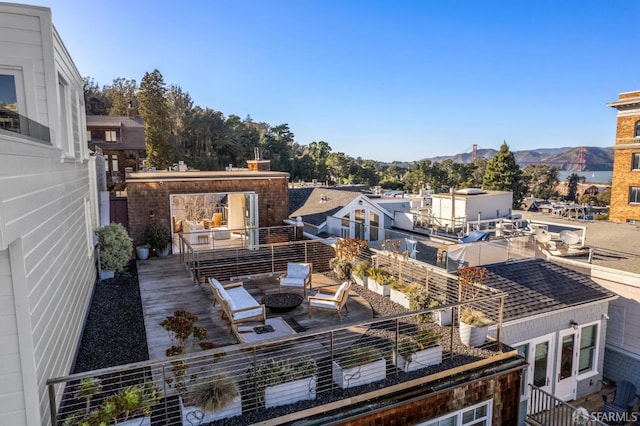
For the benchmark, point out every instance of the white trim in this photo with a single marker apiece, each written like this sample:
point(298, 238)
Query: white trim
point(557, 311)
point(458, 414)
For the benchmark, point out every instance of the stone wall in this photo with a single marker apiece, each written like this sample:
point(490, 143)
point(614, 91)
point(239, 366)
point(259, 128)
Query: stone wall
point(152, 193)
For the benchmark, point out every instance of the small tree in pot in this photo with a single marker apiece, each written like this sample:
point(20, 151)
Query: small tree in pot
point(115, 249)
point(159, 237)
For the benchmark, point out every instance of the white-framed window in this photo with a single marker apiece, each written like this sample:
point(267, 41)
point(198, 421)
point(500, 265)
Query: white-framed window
point(114, 163)
point(12, 102)
point(588, 347)
point(88, 135)
point(634, 195)
point(476, 415)
point(635, 161)
point(110, 136)
point(64, 105)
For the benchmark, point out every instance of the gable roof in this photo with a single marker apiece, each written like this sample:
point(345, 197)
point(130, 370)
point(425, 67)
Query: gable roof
point(536, 286)
point(131, 131)
point(314, 206)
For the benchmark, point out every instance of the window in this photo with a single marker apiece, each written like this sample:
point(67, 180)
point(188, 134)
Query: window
point(634, 195)
point(89, 135)
point(523, 351)
point(635, 161)
point(114, 163)
point(636, 132)
point(110, 136)
point(477, 415)
point(9, 119)
point(588, 344)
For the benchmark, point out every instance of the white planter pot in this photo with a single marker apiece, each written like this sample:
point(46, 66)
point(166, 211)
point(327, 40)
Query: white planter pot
point(195, 416)
point(418, 360)
point(138, 421)
point(290, 392)
point(106, 274)
point(373, 285)
point(444, 317)
point(361, 375)
point(399, 297)
point(358, 280)
point(473, 336)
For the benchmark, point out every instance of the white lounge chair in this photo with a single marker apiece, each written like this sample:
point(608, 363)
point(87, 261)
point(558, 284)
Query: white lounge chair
point(298, 275)
point(331, 300)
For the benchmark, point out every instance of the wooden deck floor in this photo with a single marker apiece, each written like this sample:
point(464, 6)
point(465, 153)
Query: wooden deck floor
point(166, 286)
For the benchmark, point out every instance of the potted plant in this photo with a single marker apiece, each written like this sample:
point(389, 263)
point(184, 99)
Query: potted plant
point(474, 324)
point(282, 382)
point(399, 292)
point(419, 299)
point(218, 398)
point(347, 249)
point(142, 251)
point(159, 237)
point(358, 365)
point(115, 249)
point(422, 350)
point(379, 281)
point(360, 272)
point(87, 389)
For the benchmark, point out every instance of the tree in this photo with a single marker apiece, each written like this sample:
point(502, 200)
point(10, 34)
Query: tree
point(503, 174)
point(153, 107)
point(121, 93)
point(96, 103)
point(543, 180)
point(572, 187)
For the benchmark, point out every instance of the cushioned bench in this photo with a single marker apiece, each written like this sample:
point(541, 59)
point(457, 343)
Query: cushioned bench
point(236, 302)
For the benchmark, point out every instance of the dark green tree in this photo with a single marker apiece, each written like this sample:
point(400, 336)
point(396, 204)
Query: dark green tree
point(572, 187)
point(542, 180)
point(153, 107)
point(504, 174)
point(121, 93)
point(96, 102)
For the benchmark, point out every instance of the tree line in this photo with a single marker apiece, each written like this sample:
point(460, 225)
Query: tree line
point(177, 129)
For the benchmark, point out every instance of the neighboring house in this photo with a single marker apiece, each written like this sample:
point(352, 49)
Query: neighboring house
point(47, 212)
point(454, 211)
point(121, 140)
point(625, 186)
point(340, 212)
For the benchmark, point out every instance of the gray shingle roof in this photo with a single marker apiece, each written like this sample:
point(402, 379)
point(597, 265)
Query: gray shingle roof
point(535, 286)
point(314, 206)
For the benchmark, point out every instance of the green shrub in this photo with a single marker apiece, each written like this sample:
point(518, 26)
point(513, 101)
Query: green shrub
point(357, 355)
point(115, 247)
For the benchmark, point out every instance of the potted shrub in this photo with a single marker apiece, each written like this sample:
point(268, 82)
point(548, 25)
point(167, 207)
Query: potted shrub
point(359, 365)
point(422, 350)
point(158, 237)
point(216, 399)
point(419, 299)
point(360, 272)
point(379, 281)
point(399, 292)
point(474, 324)
point(142, 251)
point(283, 382)
point(347, 249)
point(115, 249)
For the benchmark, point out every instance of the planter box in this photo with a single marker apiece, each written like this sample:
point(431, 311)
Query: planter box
point(358, 280)
point(473, 336)
point(373, 285)
point(195, 416)
point(361, 375)
point(290, 392)
point(418, 360)
point(444, 317)
point(138, 421)
point(399, 297)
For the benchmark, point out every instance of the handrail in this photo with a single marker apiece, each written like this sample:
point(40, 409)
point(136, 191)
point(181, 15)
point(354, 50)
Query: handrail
point(546, 410)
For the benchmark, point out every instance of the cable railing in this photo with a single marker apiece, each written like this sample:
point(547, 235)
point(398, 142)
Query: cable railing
point(318, 371)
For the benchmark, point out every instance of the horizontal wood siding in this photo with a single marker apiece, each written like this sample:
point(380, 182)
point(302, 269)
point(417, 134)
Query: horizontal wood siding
point(11, 397)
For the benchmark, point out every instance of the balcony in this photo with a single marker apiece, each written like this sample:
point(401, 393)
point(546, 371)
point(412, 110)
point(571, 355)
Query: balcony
point(13, 122)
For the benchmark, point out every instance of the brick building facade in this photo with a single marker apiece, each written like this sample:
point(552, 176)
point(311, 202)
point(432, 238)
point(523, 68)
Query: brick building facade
point(149, 194)
point(625, 188)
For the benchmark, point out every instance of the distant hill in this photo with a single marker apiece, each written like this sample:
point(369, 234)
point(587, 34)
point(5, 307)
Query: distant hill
point(595, 158)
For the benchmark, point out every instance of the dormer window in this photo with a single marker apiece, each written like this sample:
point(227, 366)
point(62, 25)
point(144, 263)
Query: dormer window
point(110, 136)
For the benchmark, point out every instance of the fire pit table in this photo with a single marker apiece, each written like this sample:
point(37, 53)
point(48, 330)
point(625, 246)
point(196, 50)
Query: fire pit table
point(282, 302)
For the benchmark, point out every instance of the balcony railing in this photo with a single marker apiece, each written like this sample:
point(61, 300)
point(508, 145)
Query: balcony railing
point(321, 371)
point(547, 410)
point(14, 122)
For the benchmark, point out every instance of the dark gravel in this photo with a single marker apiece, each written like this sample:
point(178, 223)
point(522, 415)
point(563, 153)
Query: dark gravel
point(114, 333)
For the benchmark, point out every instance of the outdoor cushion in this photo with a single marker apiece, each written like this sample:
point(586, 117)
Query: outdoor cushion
point(330, 303)
point(297, 270)
point(341, 290)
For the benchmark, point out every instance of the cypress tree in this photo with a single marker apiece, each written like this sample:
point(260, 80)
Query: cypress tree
point(153, 108)
point(504, 174)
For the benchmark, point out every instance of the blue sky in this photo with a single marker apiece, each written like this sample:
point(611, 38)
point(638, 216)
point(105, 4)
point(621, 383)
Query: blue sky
point(382, 80)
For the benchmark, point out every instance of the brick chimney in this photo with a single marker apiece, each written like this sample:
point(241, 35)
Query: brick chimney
point(259, 165)
point(130, 110)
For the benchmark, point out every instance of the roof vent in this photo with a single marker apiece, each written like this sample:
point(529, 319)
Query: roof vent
point(471, 191)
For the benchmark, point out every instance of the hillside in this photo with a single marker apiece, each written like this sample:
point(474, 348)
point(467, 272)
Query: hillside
point(595, 158)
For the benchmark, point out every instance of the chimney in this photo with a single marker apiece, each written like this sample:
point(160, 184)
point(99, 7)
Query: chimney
point(130, 113)
point(259, 165)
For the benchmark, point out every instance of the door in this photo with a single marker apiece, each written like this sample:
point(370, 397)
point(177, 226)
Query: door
point(365, 224)
point(251, 222)
point(566, 368)
point(538, 353)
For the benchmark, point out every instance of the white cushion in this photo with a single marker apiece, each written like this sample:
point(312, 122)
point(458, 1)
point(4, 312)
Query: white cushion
point(297, 270)
point(241, 298)
point(292, 282)
point(341, 290)
point(247, 314)
point(329, 303)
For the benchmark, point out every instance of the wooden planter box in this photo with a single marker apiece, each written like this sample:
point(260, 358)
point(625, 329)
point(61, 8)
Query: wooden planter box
point(373, 285)
point(195, 416)
point(473, 336)
point(290, 392)
point(399, 297)
point(361, 375)
point(418, 360)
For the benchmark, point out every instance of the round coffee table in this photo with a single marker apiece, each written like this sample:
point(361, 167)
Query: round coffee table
point(282, 302)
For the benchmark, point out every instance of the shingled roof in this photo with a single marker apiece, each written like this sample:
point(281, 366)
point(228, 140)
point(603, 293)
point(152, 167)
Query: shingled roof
point(314, 206)
point(536, 286)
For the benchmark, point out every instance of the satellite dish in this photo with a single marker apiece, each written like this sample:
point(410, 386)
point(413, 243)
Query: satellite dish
point(569, 237)
point(542, 236)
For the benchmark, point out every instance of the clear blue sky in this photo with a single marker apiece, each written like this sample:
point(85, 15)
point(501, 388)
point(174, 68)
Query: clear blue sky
point(383, 80)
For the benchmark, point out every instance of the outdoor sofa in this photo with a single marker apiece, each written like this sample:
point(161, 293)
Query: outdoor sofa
point(236, 302)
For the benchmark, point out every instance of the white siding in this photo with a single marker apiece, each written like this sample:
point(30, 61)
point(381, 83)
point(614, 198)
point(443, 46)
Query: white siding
point(46, 271)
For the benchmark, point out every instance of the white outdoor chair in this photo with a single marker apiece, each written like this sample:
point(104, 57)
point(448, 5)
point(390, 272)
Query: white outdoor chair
point(298, 275)
point(331, 300)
